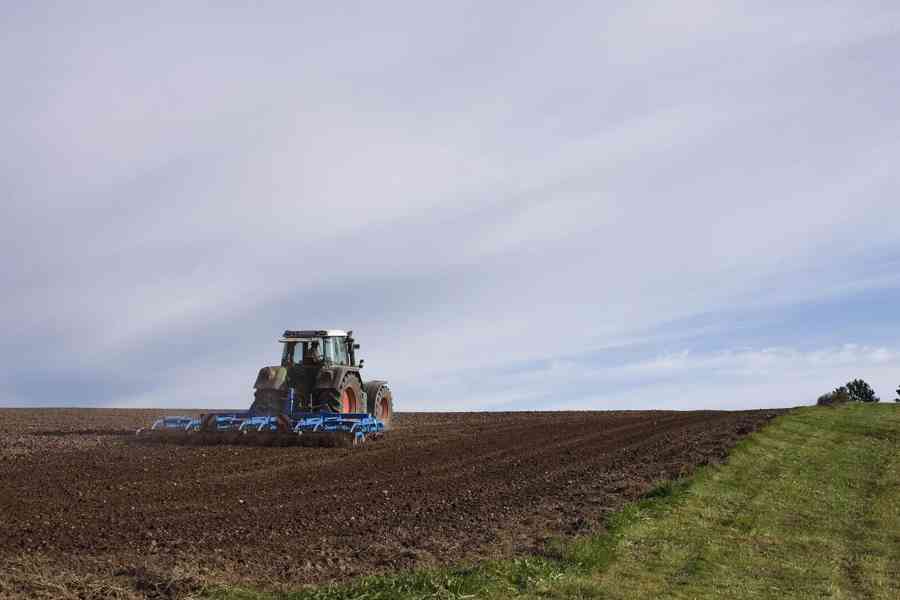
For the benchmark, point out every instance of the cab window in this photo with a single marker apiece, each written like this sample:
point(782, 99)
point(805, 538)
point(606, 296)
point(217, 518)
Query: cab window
point(299, 349)
point(335, 350)
point(295, 351)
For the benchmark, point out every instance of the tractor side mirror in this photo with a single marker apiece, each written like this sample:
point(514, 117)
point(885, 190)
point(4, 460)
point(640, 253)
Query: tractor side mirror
point(356, 346)
point(361, 363)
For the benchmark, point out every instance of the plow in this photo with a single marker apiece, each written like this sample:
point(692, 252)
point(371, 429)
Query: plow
point(315, 397)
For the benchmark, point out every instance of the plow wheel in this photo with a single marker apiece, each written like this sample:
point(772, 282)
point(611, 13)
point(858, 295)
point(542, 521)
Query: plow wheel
point(345, 399)
point(380, 401)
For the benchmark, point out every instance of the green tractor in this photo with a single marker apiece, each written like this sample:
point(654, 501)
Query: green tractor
point(320, 372)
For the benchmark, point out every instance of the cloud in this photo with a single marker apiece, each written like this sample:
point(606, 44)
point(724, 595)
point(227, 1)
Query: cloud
point(473, 188)
point(765, 362)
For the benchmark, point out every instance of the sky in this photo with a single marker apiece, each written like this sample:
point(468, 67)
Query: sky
point(514, 205)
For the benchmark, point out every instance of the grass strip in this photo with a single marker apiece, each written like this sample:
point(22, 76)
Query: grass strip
point(807, 508)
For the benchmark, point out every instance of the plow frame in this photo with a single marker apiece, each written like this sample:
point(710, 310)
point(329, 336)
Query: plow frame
point(245, 428)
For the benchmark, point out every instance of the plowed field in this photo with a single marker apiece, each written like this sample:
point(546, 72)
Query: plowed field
point(84, 503)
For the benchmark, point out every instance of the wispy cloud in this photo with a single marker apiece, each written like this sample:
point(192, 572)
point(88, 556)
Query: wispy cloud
point(680, 380)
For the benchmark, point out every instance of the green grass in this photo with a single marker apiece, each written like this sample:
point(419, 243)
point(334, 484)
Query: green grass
point(807, 508)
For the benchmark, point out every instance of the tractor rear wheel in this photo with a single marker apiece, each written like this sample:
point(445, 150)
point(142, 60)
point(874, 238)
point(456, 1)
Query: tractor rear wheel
point(380, 401)
point(344, 399)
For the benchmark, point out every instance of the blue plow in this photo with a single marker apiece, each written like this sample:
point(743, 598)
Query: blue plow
point(243, 427)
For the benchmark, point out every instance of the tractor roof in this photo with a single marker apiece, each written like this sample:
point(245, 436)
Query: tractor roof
point(290, 335)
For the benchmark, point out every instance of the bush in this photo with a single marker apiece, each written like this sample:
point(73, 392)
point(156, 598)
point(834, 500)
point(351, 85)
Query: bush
point(838, 396)
point(897, 399)
point(860, 391)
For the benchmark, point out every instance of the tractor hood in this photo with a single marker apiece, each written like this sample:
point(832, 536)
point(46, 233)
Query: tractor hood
point(271, 378)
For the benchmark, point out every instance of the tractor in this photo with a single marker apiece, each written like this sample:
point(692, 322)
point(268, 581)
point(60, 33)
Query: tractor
point(316, 396)
point(320, 372)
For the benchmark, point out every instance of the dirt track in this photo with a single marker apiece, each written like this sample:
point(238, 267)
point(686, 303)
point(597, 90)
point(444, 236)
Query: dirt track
point(79, 492)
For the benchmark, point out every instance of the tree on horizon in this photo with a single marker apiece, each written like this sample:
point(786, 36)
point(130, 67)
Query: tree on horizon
point(860, 391)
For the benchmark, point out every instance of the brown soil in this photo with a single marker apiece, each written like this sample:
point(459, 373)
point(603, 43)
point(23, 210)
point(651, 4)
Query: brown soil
point(81, 495)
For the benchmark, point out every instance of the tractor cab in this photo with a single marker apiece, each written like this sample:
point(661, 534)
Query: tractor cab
point(317, 348)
